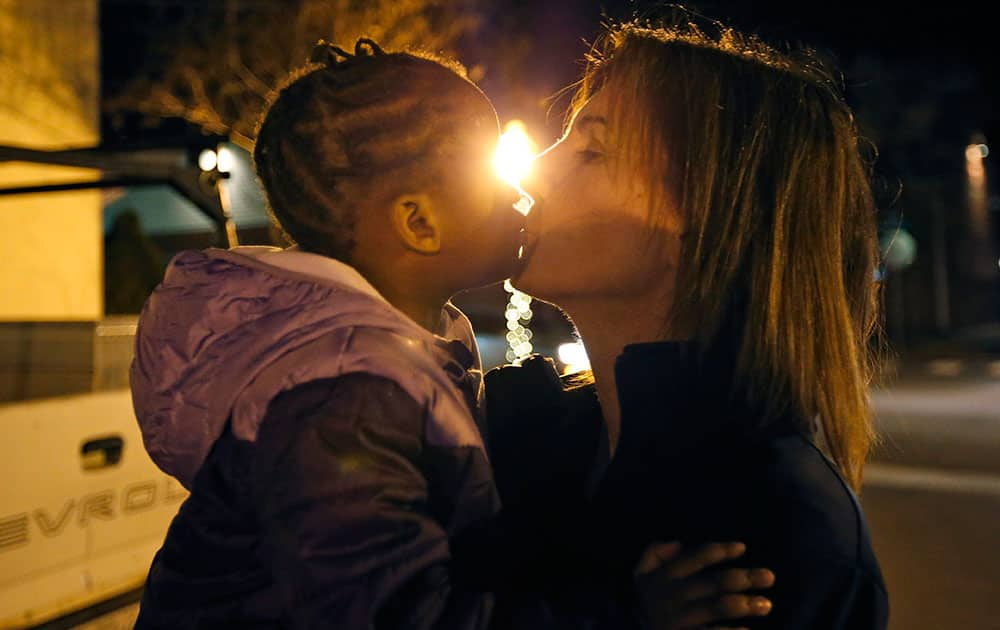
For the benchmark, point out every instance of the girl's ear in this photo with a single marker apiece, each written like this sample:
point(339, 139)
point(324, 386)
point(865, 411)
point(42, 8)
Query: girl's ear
point(416, 224)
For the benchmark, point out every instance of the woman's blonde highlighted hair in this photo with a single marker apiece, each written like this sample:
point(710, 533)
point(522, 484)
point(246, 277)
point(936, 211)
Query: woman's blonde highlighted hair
point(761, 155)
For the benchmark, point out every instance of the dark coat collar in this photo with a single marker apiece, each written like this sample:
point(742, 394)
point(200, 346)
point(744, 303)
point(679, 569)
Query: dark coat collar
point(678, 401)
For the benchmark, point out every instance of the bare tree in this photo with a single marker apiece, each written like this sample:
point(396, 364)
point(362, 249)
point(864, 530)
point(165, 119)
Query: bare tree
point(226, 56)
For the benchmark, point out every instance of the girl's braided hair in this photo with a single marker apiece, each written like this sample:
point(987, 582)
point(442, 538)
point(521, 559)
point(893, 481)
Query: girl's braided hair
point(349, 127)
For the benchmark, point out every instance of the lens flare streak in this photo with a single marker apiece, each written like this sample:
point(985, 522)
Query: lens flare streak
point(512, 161)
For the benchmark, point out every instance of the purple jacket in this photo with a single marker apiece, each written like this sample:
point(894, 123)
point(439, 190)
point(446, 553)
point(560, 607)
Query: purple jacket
point(328, 442)
point(227, 331)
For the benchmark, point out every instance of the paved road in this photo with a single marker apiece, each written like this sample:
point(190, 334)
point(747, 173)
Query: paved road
point(932, 496)
point(940, 555)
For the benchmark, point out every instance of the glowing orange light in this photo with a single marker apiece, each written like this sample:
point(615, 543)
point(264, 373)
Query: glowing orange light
point(574, 357)
point(974, 156)
point(515, 153)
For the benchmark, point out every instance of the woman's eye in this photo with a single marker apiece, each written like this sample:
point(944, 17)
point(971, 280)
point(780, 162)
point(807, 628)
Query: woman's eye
point(590, 155)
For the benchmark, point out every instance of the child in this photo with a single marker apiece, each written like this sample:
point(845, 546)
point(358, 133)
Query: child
point(325, 431)
point(299, 394)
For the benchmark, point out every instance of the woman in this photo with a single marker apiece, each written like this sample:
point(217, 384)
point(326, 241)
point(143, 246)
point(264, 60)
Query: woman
point(707, 222)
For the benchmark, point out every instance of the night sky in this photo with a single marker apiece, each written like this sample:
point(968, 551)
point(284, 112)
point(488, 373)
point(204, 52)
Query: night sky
point(957, 32)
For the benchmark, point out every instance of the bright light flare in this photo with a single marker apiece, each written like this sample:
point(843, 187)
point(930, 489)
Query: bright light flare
point(574, 357)
point(226, 160)
point(222, 160)
point(515, 153)
point(207, 160)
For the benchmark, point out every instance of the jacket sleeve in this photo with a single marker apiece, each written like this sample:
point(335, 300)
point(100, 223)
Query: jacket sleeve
point(817, 542)
point(826, 575)
point(347, 521)
point(830, 597)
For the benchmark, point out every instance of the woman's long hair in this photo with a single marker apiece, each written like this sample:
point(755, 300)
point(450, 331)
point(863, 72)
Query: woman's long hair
point(760, 153)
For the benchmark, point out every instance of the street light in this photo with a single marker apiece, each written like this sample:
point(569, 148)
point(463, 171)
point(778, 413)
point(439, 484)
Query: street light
point(978, 205)
point(225, 160)
point(514, 155)
point(207, 160)
point(574, 357)
point(221, 160)
point(216, 165)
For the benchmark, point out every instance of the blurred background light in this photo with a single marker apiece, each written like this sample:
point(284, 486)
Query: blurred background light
point(518, 315)
point(899, 249)
point(574, 357)
point(977, 152)
point(208, 160)
point(974, 156)
point(225, 161)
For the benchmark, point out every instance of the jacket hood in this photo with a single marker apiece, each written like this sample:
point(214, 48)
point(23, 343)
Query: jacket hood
point(220, 318)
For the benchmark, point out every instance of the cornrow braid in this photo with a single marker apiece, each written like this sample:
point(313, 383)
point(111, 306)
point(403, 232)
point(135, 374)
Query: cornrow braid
point(329, 54)
point(349, 127)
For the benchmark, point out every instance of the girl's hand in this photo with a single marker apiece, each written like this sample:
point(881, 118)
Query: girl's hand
point(681, 589)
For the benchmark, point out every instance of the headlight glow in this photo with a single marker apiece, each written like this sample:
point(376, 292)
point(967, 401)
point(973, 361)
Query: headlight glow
point(515, 153)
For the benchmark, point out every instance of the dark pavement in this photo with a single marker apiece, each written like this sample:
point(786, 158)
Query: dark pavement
point(932, 494)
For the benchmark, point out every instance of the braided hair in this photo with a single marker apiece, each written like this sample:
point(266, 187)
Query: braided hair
point(349, 127)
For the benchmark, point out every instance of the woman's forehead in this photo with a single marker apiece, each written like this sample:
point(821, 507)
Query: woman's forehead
point(594, 112)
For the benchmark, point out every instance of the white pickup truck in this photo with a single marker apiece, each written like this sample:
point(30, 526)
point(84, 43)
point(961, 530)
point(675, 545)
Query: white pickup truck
point(82, 507)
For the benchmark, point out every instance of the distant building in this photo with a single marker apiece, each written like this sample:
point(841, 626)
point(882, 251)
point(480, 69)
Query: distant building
point(50, 254)
point(934, 194)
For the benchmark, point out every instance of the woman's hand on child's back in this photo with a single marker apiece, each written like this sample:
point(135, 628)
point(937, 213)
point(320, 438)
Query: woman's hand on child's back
point(681, 589)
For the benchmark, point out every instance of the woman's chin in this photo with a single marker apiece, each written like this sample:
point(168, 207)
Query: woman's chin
point(547, 274)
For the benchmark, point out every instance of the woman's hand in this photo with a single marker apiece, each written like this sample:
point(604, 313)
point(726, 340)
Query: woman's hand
point(682, 589)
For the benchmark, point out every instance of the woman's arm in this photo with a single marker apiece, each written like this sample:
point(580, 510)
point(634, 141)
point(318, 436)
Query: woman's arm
point(825, 595)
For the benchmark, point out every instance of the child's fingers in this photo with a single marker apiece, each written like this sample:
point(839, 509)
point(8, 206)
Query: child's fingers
point(655, 556)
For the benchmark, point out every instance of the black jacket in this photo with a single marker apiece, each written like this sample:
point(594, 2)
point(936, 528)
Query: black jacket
point(341, 515)
point(684, 470)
